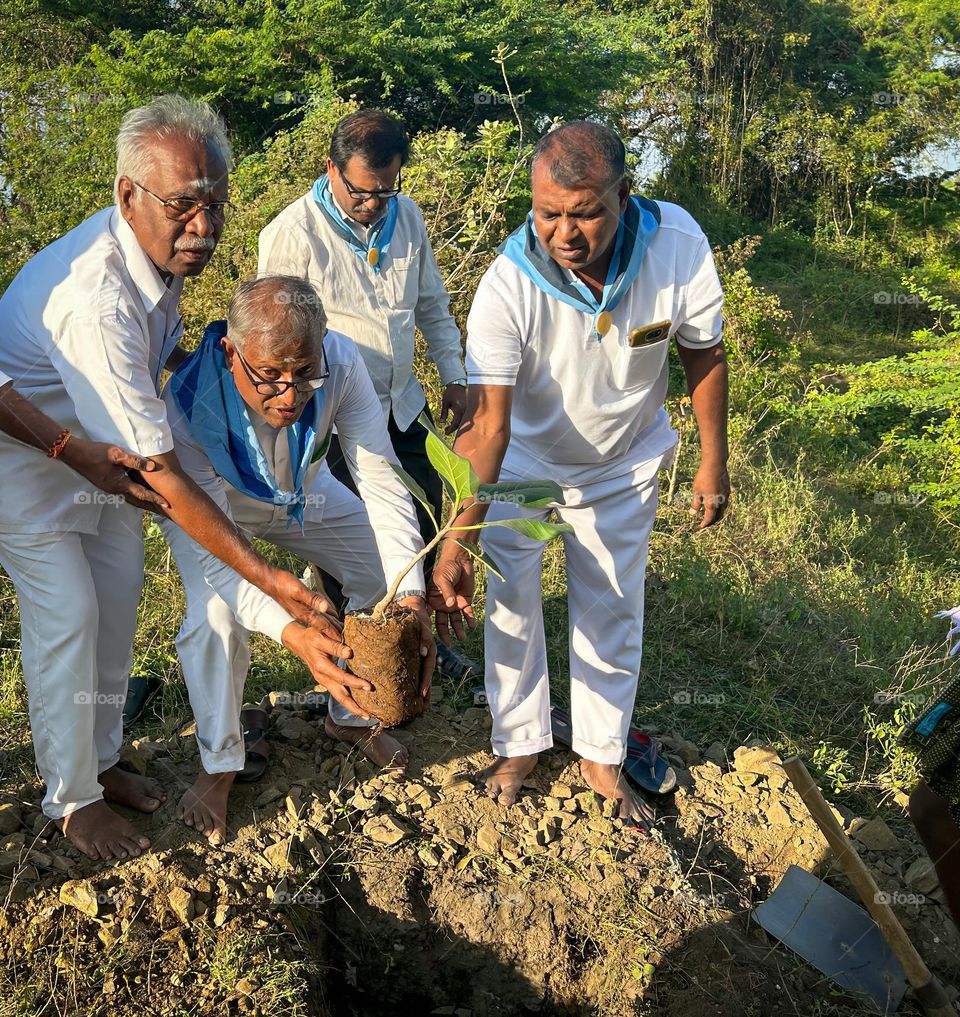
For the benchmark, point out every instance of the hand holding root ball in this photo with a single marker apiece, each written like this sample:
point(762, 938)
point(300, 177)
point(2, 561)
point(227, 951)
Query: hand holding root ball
point(320, 650)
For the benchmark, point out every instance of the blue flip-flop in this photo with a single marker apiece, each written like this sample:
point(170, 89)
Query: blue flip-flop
point(644, 765)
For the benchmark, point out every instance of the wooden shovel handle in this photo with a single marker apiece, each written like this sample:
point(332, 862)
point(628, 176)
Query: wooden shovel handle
point(929, 991)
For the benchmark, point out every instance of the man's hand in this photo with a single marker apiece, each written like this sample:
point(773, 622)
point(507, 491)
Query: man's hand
point(307, 606)
point(454, 403)
point(105, 466)
point(450, 593)
point(428, 648)
point(319, 651)
point(711, 494)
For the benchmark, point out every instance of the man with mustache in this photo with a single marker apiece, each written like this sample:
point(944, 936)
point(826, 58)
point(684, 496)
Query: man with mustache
point(363, 245)
point(86, 328)
point(567, 355)
point(252, 411)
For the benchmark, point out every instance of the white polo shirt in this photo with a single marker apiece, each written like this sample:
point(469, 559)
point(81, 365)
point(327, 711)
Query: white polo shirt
point(85, 329)
point(379, 311)
point(350, 404)
point(581, 401)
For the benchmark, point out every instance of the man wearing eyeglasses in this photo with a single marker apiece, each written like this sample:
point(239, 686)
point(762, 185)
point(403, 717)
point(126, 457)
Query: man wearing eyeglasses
point(86, 328)
point(364, 246)
point(252, 411)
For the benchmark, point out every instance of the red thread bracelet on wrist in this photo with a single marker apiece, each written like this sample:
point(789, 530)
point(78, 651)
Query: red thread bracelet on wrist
point(60, 444)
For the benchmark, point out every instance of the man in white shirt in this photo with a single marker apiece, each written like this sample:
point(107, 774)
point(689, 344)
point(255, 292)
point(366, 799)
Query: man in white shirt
point(567, 356)
point(86, 328)
point(364, 246)
point(252, 411)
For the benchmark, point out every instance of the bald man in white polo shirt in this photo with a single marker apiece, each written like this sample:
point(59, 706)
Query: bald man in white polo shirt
point(567, 359)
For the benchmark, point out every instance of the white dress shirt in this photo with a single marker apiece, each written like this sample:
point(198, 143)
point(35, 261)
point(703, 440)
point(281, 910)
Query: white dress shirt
point(351, 405)
point(85, 329)
point(582, 401)
point(379, 311)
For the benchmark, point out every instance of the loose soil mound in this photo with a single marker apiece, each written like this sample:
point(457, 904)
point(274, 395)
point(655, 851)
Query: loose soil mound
point(345, 893)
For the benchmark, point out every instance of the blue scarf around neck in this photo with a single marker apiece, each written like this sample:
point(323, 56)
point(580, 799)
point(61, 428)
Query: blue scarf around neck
point(206, 394)
point(639, 222)
point(379, 234)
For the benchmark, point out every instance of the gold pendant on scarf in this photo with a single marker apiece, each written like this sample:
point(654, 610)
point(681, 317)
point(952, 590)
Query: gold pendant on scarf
point(603, 323)
point(373, 257)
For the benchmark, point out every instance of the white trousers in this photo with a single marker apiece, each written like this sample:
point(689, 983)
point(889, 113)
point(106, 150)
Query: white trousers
point(213, 645)
point(78, 596)
point(606, 561)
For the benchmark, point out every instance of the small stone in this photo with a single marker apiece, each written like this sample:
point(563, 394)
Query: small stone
point(80, 894)
point(429, 856)
point(221, 915)
point(688, 752)
point(109, 935)
point(246, 987)
point(362, 801)
point(756, 759)
point(385, 830)
point(922, 876)
point(454, 832)
point(278, 855)
point(181, 904)
point(552, 804)
point(562, 791)
point(488, 840)
point(875, 835)
point(9, 818)
point(294, 807)
point(294, 729)
point(133, 759)
point(267, 796)
point(778, 815)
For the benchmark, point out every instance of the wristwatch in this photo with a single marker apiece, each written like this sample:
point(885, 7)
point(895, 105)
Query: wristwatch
point(403, 594)
point(459, 381)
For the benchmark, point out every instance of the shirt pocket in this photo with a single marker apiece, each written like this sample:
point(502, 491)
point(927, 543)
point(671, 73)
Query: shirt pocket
point(400, 280)
point(640, 366)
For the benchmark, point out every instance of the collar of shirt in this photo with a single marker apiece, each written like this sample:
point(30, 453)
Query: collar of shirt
point(142, 270)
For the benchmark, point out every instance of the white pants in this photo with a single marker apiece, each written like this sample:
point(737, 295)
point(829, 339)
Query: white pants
point(606, 559)
point(78, 596)
point(212, 644)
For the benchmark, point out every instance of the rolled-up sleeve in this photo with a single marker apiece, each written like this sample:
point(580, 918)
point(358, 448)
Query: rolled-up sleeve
point(494, 341)
point(103, 364)
point(433, 317)
point(702, 313)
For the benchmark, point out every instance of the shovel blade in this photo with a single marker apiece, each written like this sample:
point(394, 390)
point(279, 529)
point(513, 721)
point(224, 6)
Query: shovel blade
point(835, 936)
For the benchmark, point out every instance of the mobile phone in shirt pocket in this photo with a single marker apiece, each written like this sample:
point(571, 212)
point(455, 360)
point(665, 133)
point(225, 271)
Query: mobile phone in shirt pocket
point(641, 354)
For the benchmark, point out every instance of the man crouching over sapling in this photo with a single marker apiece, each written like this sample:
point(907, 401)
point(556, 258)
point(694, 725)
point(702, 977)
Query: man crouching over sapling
point(252, 411)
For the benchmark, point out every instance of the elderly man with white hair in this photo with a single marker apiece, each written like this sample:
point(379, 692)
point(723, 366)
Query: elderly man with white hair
point(86, 329)
point(252, 411)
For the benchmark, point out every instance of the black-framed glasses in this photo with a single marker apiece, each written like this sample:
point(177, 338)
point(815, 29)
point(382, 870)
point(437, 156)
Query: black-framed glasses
point(267, 387)
point(183, 208)
point(359, 195)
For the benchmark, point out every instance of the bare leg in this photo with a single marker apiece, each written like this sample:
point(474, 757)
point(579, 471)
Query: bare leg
point(204, 805)
point(378, 746)
point(505, 776)
point(609, 781)
point(941, 837)
point(101, 834)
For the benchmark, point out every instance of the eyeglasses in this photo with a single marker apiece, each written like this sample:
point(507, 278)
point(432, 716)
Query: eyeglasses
point(359, 195)
point(274, 388)
point(182, 208)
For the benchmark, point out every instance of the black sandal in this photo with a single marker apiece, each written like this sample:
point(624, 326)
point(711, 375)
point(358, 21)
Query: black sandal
point(257, 749)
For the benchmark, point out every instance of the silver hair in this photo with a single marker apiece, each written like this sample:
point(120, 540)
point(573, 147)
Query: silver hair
point(281, 311)
point(168, 116)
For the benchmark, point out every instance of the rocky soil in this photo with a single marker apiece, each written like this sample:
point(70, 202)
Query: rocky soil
point(342, 892)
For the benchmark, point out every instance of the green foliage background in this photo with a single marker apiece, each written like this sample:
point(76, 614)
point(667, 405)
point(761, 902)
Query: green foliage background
point(794, 132)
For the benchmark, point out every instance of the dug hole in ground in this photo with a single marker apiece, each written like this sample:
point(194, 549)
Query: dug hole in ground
point(342, 892)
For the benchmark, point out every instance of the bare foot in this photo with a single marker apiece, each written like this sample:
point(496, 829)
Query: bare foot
point(100, 833)
point(204, 805)
point(373, 742)
point(504, 777)
point(131, 789)
point(609, 781)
